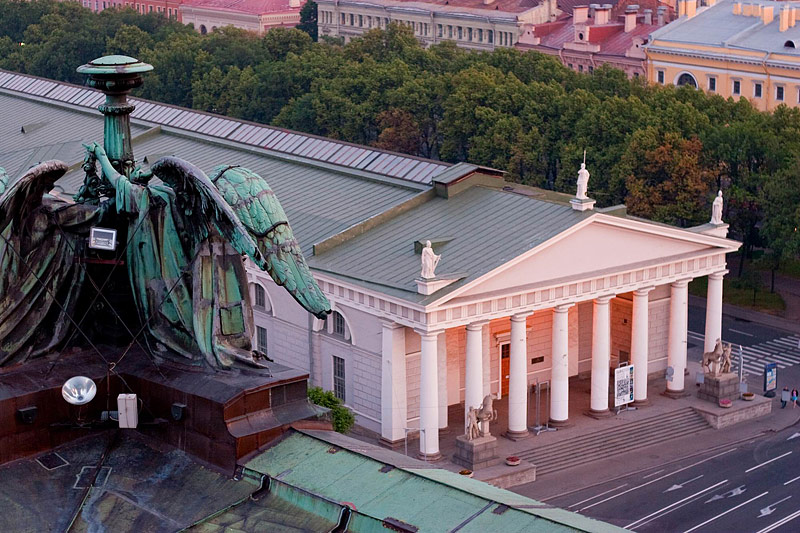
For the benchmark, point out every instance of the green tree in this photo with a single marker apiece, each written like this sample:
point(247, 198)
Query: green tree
point(308, 19)
point(342, 417)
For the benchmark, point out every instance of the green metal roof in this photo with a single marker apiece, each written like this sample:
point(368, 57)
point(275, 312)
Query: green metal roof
point(484, 229)
point(429, 499)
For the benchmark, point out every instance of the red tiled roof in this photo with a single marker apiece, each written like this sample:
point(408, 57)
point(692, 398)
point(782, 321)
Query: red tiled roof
point(611, 37)
point(508, 6)
point(253, 7)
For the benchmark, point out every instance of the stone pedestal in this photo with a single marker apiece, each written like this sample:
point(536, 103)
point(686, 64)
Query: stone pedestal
point(716, 387)
point(476, 453)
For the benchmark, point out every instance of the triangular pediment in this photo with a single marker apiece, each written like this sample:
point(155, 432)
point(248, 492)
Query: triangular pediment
point(601, 245)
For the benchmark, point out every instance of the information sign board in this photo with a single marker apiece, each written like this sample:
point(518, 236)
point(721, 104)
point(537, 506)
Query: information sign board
point(623, 385)
point(770, 377)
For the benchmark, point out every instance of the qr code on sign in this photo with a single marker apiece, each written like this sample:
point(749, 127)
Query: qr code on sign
point(623, 387)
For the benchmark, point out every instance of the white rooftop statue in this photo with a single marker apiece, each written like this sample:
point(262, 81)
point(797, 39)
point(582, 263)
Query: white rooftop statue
point(716, 209)
point(583, 180)
point(429, 261)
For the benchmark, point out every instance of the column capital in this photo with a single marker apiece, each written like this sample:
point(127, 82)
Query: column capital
point(643, 291)
point(477, 325)
point(718, 275)
point(681, 283)
point(388, 324)
point(604, 300)
point(521, 317)
point(424, 333)
point(563, 308)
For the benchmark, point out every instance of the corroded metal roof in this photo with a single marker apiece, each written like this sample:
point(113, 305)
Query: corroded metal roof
point(340, 153)
point(429, 499)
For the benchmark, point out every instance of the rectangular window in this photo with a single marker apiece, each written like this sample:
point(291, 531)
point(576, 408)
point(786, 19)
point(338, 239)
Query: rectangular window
point(712, 84)
point(569, 65)
point(439, 30)
point(352, 20)
point(460, 33)
point(757, 90)
point(737, 87)
point(450, 32)
point(469, 34)
point(480, 35)
point(660, 75)
point(261, 339)
point(779, 93)
point(580, 68)
point(338, 378)
point(343, 18)
point(591, 69)
point(491, 36)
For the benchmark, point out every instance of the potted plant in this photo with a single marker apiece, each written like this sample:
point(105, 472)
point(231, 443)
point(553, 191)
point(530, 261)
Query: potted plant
point(512, 460)
point(748, 396)
point(466, 472)
point(725, 403)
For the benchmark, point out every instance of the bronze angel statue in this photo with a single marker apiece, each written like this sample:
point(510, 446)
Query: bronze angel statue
point(185, 245)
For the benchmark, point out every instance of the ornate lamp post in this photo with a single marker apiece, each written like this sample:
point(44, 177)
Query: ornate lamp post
point(116, 76)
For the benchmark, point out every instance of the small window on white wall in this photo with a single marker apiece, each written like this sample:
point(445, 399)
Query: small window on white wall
point(259, 297)
point(261, 339)
point(338, 325)
point(338, 378)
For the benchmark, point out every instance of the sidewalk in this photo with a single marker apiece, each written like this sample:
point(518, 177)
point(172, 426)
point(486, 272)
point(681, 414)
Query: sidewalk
point(791, 326)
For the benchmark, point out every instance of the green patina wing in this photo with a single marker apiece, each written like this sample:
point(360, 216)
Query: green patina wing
point(259, 210)
point(19, 199)
point(203, 205)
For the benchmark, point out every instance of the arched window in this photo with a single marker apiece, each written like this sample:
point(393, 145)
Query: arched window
point(686, 79)
point(338, 327)
point(259, 297)
point(203, 29)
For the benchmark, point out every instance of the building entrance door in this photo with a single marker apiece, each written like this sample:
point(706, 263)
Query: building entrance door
point(505, 360)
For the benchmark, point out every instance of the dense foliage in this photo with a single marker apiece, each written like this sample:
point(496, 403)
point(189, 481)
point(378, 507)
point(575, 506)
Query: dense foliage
point(663, 151)
point(342, 417)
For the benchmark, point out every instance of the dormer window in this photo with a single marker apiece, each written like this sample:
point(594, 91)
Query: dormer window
point(789, 44)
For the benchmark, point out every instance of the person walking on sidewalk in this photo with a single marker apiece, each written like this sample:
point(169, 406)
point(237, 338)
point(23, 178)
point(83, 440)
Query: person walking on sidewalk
point(784, 397)
point(794, 398)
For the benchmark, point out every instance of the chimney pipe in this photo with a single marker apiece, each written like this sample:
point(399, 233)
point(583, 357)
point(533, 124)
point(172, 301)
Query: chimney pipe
point(783, 18)
point(691, 8)
point(648, 16)
point(737, 8)
point(294, 3)
point(580, 14)
point(601, 15)
point(630, 20)
point(662, 15)
point(767, 14)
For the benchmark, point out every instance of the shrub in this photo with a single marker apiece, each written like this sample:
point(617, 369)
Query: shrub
point(343, 418)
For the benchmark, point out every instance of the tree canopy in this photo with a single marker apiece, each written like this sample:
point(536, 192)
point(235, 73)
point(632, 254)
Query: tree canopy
point(664, 151)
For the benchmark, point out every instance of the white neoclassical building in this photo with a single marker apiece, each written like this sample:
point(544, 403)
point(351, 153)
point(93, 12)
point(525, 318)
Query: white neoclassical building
point(529, 286)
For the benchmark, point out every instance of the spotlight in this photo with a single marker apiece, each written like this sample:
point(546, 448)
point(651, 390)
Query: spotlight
point(79, 390)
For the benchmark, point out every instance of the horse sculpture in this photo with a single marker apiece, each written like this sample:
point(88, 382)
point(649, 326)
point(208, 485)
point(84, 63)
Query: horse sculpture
point(714, 357)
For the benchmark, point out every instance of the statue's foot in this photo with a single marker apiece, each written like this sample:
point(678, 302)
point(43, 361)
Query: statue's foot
point(249, 360)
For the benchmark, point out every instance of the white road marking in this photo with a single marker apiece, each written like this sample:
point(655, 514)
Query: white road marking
point(597, 496)
point(767, 462)
point(657, 479)
point(769, 509)
point(681, 485)
point(740, 332)
point(780, 522)
point(794, 436)
point(661, 512)
point(653, 474)
point(792, 480)
point(726, 512)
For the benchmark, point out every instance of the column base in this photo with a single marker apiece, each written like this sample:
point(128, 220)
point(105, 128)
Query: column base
point(559, 423)
point(640, 403)
point(599, 415)
point(392, 444)
point(675, 394)
point(430, 457)
point(517, 435)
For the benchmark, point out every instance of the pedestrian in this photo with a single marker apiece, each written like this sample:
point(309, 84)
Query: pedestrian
point(784, 397)
point(794, 398)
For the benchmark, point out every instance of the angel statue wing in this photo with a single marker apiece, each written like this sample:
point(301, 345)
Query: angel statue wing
point(257, 207)
point(22, 197)
point(201, 201)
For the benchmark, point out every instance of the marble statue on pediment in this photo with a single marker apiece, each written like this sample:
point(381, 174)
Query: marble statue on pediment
point(429, 261)
point(716, 209)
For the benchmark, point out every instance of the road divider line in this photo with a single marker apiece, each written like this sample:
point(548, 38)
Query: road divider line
point(792, 480)
point(780, 522)
point(653, 474)
point(657, 479)
point(767, 462)
point(740, 332)
point(652, 516)
point(597, 496)
point(726, 512)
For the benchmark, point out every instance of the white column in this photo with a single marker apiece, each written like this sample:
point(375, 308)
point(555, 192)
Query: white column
point(518, 378)
point(473, 379)
point(601, 354)
point(713, 311)
point(393, 384)
point(678, 324)
point(559, 373)
point(639, 344)
point(442, 360)
point(429, 397)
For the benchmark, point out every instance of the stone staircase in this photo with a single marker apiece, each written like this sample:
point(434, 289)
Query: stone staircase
point(609, 442)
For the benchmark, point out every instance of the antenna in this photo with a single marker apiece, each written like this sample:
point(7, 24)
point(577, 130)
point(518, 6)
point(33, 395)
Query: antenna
point(79, 390)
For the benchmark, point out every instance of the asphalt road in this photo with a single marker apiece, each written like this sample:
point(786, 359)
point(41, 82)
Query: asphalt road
point(748, 487)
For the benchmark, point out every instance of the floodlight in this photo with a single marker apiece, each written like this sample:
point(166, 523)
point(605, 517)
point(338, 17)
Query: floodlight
point(102, 238)
point(79, 390)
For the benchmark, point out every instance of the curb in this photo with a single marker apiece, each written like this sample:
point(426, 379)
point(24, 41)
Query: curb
point(750, 315)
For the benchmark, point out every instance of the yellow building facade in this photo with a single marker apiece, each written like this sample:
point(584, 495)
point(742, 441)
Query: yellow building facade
point(733, 49)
